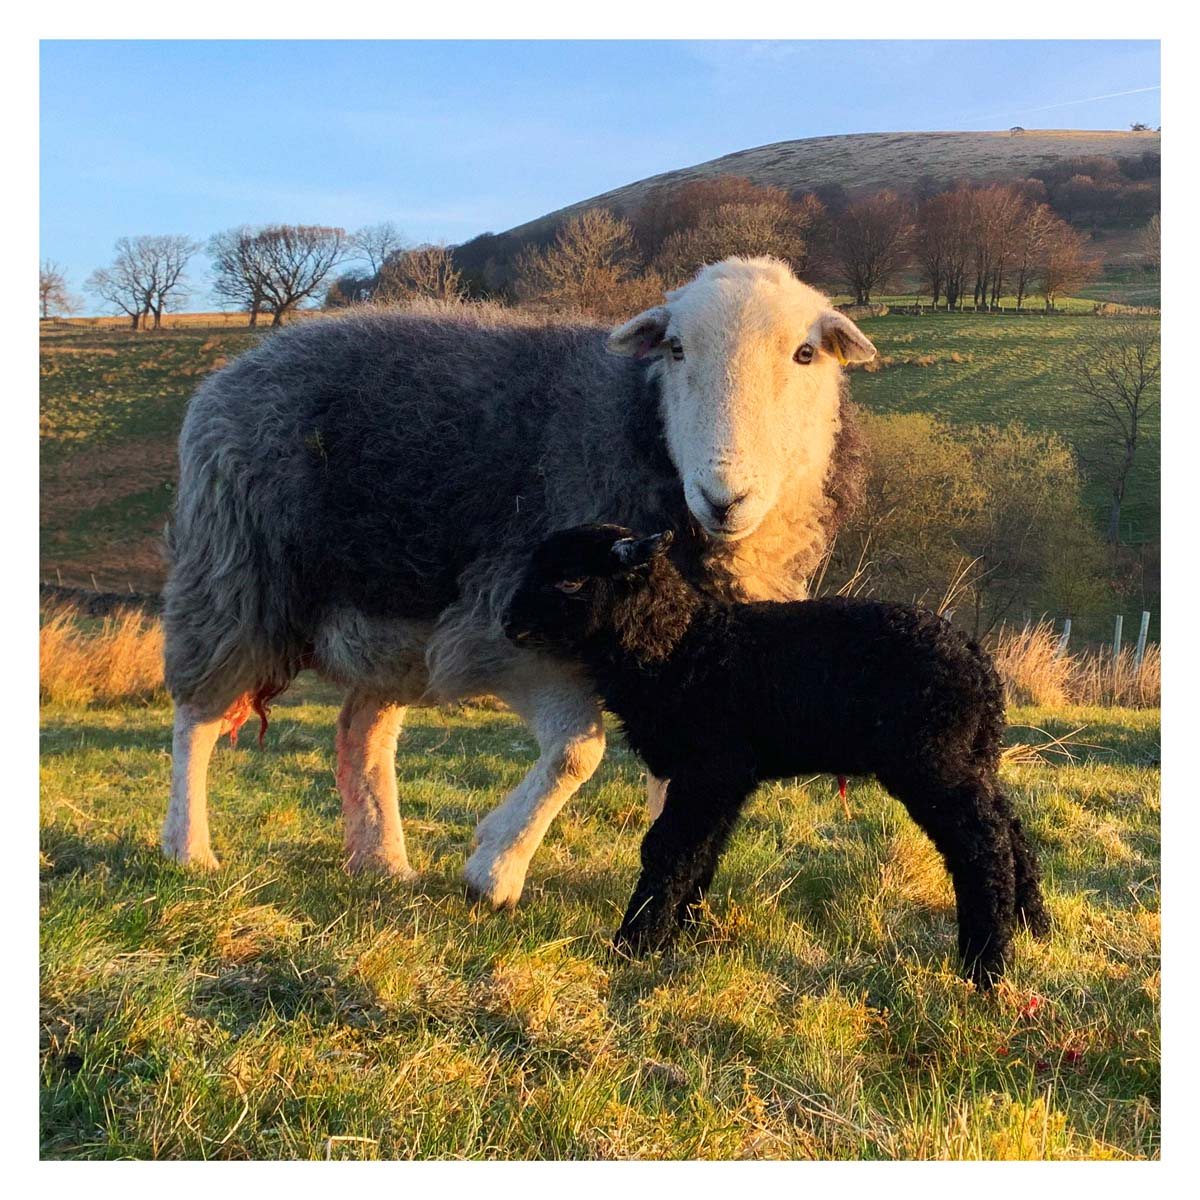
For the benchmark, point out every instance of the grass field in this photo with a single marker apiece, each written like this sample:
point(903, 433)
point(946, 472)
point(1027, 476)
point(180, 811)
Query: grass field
point(1008, 368)
point(284, 1008)
point(112, 402)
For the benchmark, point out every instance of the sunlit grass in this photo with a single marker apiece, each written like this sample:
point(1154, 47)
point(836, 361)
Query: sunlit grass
point(996, 369)
point(282, 1008)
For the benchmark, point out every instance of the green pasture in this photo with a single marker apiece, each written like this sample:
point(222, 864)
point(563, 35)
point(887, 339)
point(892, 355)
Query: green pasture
point(282, 1008)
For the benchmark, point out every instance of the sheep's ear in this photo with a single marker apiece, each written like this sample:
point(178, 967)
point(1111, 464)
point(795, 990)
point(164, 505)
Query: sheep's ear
point(636, 552)
point(641, 336)
point(836, 334)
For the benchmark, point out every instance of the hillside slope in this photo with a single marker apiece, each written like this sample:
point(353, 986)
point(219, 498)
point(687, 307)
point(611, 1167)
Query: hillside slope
point(868, 161)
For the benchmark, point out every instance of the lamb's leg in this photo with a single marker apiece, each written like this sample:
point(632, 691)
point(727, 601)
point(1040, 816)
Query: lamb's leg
point(367, 731)
point(680, 853)
point(185, 829)
point(975, 840)
point(567, 723)
point(1031, 907)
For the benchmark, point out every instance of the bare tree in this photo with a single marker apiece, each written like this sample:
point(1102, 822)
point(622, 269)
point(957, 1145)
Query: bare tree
point(669, 209)
point(165, 259)
point(1117, 369)
point(1063, 266)
point(295, 259)
point(592, 266)
point(276, 268)
point(1149, 244)
point(776, 226)
point(53, 296)
point(377, 243)
point(423, 271)
point(126, 284)
point(237, 271)
point(871, 242)
point(1029, 244)
point(997, 212)
point(941, 245)
point(145, 276)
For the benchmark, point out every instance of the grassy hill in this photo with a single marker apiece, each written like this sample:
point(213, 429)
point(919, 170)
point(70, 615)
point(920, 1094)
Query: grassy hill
point(870, 161)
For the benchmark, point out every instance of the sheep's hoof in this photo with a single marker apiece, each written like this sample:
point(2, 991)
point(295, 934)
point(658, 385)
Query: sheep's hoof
point(376, 862)
point(494, 880)
point(196, 858)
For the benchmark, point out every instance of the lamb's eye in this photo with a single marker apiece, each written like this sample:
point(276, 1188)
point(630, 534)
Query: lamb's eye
point(676, 348)
point(804, 355)
point(569, 585)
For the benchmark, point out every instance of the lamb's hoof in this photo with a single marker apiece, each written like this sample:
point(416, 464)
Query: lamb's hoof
point(395, 866)
point(495, 880)
point(194, 857)
point(985, 969)
point(1037, 921)
point(637, 942)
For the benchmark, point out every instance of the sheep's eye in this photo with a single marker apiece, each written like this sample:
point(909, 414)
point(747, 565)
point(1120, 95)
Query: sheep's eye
point(676, 348)
point(569, 585)
point(805, 354)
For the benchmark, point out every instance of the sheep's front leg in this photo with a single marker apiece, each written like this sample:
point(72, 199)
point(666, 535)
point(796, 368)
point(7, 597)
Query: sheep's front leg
point(680, 854)
point(368, 729)
point(569, 728)
point(185, 830)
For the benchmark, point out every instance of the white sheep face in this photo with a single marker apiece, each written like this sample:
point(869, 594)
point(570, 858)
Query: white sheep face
point(749, 359)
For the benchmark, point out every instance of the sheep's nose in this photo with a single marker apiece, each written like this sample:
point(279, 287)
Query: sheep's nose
point(721, 509)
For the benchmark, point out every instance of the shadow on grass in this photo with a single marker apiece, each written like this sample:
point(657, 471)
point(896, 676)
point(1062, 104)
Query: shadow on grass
point(67, 852)
point(64, 738)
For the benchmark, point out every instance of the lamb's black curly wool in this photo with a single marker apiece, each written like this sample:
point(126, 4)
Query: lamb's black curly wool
point(719, 697)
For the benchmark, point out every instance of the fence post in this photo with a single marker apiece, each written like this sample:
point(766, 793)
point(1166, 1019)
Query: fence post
point(1140, 652)
point(1117, 638)
point(1064, 639)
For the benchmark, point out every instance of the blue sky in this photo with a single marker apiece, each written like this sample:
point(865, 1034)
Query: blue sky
point(449, 139)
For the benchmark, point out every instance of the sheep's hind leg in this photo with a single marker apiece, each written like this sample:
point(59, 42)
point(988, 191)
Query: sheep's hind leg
point(368, 729)
point(567, 723)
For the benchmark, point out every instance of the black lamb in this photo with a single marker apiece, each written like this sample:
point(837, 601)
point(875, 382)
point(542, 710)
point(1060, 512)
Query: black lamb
point(720, 697)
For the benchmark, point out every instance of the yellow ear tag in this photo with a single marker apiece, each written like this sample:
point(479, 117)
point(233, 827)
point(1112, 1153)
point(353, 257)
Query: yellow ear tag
point(837, 349)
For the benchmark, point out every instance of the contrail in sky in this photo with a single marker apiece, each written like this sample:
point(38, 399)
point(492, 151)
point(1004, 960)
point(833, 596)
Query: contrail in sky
point(1067, 103)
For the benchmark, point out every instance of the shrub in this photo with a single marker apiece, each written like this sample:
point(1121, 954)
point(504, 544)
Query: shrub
point(1002, 501)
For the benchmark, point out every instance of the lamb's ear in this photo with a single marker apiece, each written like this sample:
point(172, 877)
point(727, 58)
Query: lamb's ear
point(641, 336)
point(636, 552)
point(836, 334)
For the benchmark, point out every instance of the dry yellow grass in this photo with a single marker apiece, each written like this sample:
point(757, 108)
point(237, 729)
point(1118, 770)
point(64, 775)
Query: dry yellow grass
point(120, 659)
point(221, 320)
point(1098, 680)
point(1035, 673)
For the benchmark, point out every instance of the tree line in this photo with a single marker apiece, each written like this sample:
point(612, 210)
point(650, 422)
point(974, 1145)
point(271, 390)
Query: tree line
point(265, 271)
point(959, 245)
